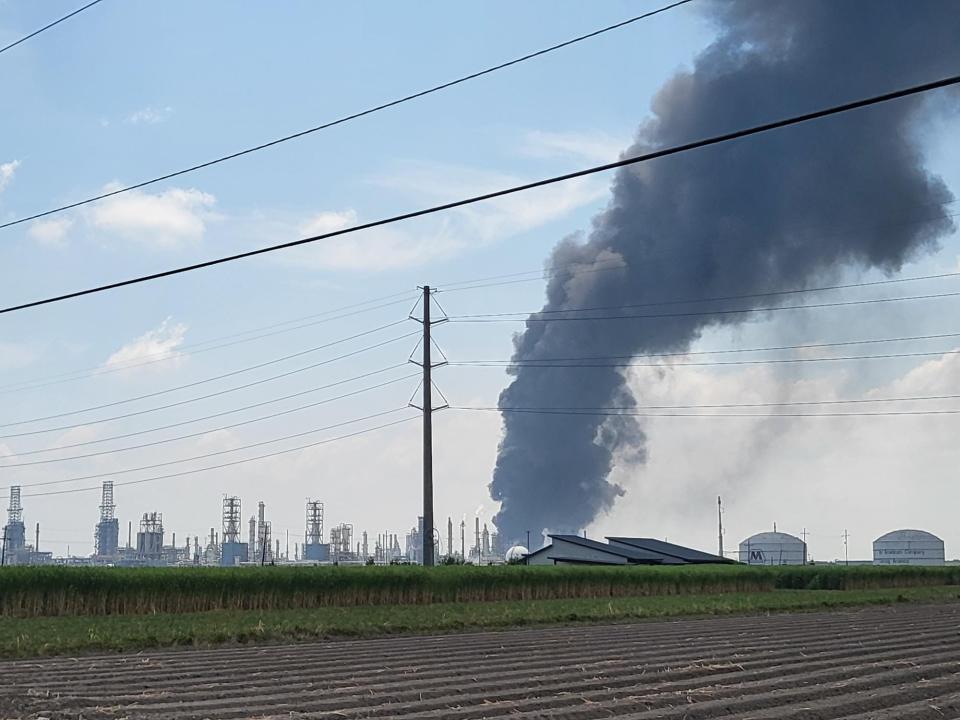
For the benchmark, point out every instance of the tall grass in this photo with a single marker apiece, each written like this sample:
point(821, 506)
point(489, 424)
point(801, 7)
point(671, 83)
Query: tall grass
point(52, 591)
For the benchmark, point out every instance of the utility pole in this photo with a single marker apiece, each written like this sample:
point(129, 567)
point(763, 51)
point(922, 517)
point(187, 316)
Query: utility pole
point(846, 550)
point(463, 540)
point(3, 550)
point(528, 541)
point(427, 409)
point(427, 435)
point(720, 524)
point(804, 533)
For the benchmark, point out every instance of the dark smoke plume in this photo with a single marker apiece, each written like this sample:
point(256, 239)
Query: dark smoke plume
point(785, 210)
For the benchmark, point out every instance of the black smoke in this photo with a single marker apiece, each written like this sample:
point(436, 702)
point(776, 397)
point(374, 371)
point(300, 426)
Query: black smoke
point(792, 208)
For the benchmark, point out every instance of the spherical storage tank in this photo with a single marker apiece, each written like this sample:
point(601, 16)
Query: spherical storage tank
point(908, 547)
point(773, 548)
point(517, 552)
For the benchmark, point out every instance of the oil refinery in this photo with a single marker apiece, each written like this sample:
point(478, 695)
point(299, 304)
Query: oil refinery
point(149, 543)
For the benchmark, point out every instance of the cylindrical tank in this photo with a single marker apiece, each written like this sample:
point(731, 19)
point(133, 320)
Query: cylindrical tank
point(908, 547)
point(773, 548)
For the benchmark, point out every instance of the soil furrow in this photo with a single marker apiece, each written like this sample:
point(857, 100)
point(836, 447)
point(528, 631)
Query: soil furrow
point(412, 646)
point(882, 663)
point(125, 668)
point(424, 686)
point(492, 666)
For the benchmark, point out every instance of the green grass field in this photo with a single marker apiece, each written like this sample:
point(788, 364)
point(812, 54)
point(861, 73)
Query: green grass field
point(64, 591)
point(23, 637)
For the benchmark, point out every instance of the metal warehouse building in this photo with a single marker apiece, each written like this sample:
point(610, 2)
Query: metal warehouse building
point(773, 548)
point(576, 550)
point(908, 547)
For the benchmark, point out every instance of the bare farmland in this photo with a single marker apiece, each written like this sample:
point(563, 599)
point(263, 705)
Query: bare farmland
point(896, 662)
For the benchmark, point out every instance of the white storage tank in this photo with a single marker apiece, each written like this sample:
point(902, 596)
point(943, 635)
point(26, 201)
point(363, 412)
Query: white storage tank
point(908, 547)
point(516, 553)
point(773, 548)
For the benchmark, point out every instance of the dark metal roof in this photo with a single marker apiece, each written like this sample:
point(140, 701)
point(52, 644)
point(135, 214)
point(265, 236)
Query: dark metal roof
point(537, 552)
point(581, 561)
point(635, 555)
point(662, 547)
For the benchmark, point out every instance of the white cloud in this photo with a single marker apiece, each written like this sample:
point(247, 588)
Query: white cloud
point(934, 377)
point(326, 222)
point(50, 232)
point(16, 355)
point(6, 173)
point(595, 147)
point(79, 434)
point(377, 249)
point(868, 474)
point(432, 238)
point(149, 115)
point(161, 342)
point(163, 220)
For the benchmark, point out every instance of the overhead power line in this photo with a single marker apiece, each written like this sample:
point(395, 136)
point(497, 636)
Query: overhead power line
point(206, 431)
point(775, 361)
point(716, 298)
point(216, 453)
point(534, 316)
point(348, 118)
point(184, 351)
point(876, 413)
point(713, 406)
point(199, 398)
point(407, 296)
point(623, 162)
point(721, 351)
point(48, 26)
point(619, 264)
point(214, 378)
point(233, 463)
point(192, 421)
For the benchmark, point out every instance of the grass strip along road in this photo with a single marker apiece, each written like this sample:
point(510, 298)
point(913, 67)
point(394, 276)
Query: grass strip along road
point(24, 637)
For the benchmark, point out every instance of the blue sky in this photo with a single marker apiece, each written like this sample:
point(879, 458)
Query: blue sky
point(129, 90)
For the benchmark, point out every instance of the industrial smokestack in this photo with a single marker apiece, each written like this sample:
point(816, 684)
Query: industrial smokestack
point(788, 209)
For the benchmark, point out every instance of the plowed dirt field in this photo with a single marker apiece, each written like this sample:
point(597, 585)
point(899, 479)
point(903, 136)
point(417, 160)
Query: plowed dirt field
point(892, 663)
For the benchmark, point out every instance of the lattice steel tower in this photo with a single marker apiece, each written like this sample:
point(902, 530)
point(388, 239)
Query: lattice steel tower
point(314, 532)
point(231, 520)
point(107, 534)
point(14, 532)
